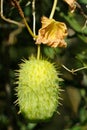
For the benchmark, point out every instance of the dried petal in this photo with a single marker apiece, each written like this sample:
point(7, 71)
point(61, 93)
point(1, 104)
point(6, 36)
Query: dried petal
point(71, 4)
point(52, 33)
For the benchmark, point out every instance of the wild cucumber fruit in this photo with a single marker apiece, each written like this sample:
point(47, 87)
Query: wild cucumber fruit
point(37, 90)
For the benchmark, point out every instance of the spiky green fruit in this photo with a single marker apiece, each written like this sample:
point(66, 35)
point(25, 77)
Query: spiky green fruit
point(37, 90)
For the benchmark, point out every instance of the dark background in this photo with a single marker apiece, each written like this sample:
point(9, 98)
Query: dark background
point(16, 44)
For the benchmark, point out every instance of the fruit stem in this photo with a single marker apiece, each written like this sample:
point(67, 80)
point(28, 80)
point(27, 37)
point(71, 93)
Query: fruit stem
point(51, 16)
point(38, 52)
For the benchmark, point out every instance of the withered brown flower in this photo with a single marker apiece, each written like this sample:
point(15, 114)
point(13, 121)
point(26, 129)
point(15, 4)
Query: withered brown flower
point(52, 33)
point(71, 4)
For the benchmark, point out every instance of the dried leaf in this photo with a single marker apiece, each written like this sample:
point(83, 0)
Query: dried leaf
point(72, 5)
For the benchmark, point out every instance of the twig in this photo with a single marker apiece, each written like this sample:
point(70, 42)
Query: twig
point(17, 5)
point(80, 69)
point(66, 68)
point(72, 70)
point(8, 20)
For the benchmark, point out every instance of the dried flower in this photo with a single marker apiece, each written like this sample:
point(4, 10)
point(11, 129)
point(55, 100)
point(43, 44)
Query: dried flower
point(52, 33)
point(71, 4)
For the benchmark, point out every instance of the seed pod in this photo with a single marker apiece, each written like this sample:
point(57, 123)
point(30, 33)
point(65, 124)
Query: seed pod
point(37, 90)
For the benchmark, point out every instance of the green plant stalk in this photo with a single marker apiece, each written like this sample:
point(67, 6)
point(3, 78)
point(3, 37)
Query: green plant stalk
point(51, 16)
point(29, 29)
point(38, 51)
point(53, 9)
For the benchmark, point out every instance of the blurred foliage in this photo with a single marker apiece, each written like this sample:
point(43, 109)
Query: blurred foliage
point(13, 48)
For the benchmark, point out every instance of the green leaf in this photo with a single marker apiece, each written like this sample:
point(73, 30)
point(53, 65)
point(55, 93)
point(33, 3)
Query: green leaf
point(49, 52)
point(83, 38)
point(76, 22)
point(83, 1)
point(76, 128)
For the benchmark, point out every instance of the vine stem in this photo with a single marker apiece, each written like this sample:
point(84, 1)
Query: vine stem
point(53, 9)
point(7, 19)
point(29, 29)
